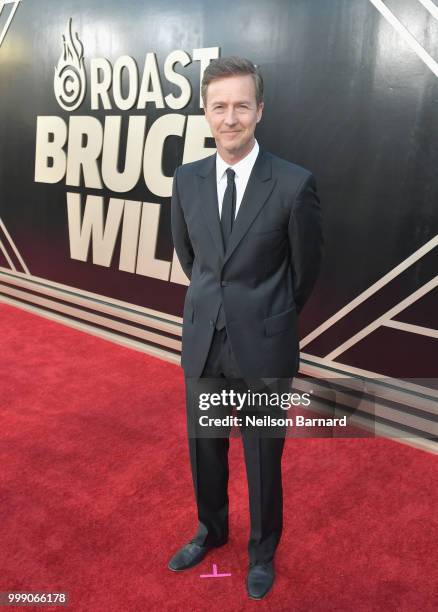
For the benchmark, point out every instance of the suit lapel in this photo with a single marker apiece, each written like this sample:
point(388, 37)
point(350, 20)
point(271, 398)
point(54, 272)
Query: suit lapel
point(208, 192)
point(258, 190)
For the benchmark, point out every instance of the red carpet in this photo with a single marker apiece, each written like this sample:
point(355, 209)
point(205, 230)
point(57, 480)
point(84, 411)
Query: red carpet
point(96, 493)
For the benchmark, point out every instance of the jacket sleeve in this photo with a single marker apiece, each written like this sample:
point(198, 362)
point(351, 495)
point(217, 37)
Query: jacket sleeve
point(305, 240)
point(180, 234)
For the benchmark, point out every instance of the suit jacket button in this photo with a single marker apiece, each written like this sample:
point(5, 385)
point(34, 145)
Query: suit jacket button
point(212, 322)
point(224, 283)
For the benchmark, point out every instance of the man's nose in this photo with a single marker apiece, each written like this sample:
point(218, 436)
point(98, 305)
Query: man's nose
point(230, 117)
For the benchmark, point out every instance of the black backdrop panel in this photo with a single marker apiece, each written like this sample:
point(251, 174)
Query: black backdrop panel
point(345, 97)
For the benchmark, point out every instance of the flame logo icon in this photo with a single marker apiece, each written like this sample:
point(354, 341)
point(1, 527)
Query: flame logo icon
point(70, 80)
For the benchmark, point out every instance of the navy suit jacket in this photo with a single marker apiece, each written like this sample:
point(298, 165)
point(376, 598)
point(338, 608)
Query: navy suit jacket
point(265, 275)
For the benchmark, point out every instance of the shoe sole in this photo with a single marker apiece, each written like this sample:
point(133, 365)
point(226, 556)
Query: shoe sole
point(262, 597)
point(259, 598)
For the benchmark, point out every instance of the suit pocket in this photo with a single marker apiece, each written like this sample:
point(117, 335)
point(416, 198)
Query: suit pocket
point(275, 231)
point(280, 322)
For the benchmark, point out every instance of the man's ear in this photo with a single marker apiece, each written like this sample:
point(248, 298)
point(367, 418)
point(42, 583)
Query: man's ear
point(206, 116)
point(260, 111)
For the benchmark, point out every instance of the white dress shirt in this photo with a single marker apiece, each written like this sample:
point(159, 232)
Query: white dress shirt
point(242, 169)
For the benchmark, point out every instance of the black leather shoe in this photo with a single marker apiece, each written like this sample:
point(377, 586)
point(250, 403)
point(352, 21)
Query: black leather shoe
point(188, 556)
point(260, 579)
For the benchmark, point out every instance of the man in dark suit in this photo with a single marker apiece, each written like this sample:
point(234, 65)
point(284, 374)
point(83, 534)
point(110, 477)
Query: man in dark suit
point(247, 230)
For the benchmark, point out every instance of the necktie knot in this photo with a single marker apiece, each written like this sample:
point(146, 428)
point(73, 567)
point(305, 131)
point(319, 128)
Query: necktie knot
point(230, 175)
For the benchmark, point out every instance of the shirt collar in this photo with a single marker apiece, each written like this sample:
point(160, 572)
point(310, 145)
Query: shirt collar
point(243, 166)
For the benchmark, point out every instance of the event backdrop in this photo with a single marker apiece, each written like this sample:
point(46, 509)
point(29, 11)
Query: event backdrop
point(100, 101)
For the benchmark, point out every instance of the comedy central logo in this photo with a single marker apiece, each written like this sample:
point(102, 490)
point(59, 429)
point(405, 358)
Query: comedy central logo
point(70, 81)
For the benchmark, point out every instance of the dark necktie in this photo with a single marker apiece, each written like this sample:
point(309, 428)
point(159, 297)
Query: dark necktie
point(227, 219)
point(228, 207)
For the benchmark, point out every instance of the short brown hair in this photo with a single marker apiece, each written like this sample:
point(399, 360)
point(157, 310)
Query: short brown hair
point(229, 66)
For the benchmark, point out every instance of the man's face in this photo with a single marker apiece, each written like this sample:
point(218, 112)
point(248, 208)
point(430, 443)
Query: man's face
point(232, 113)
